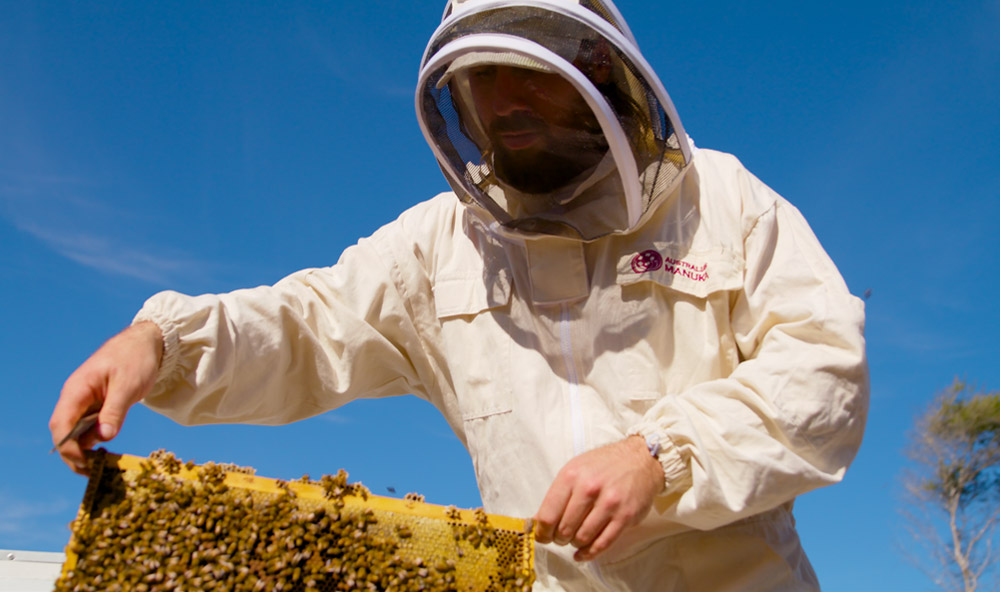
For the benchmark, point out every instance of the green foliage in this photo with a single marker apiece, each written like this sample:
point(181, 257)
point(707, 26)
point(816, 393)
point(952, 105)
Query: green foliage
point(966, 429)
point(975, 418)
point(955, 486)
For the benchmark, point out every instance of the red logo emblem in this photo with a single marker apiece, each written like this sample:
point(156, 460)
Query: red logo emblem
point(646, 261)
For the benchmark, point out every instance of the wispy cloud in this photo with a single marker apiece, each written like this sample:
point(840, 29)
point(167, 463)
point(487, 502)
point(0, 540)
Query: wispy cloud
point(67, 215)
point(109, 255)
point(33, 522)
point(335, 418)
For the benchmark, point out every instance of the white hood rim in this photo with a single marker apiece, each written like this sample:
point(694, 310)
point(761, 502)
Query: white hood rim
point(622, 38)
point(625, 42)
point(617, 140)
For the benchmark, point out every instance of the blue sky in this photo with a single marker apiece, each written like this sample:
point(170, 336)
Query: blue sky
point(204, 147)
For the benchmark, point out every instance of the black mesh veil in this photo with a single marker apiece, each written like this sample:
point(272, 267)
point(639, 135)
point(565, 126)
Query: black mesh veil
point(545, 114)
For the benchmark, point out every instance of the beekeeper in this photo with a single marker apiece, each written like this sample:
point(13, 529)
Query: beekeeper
point(639, 343)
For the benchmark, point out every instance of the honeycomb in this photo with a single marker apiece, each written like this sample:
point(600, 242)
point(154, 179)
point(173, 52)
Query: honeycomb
point(150, 524)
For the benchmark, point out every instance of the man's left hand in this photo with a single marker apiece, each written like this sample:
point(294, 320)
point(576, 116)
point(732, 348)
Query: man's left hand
point(597, 495)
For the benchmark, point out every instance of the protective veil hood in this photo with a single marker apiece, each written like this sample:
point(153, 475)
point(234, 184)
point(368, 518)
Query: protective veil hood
point(545, 114)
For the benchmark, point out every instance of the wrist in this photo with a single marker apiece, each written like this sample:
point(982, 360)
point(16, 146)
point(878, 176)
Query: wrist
point(649, 450)
point(152, 331)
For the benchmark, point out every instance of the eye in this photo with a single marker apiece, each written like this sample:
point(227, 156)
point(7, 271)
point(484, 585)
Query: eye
point(482, 73)
point(544, 84)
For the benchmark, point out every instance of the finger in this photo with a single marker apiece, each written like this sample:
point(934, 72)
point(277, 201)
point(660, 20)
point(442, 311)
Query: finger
point(112, 415)
point(88, 439)
point(125, 388)
point(72, 454)
point(136, 359)
point(604, 540)
point(72, 451)
point(595, 523)
point(579, 506)
point(77, 399)
point(550, 512)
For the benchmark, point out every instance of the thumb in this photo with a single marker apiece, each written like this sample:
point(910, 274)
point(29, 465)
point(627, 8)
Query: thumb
point(136, 354)
point(107, 430)
point(113, 412)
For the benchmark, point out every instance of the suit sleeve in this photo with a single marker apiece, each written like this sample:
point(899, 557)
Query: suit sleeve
point(790, 417)
point(275, 354)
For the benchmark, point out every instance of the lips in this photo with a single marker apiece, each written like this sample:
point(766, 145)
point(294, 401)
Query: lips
point(517, 131)
point(520, 139)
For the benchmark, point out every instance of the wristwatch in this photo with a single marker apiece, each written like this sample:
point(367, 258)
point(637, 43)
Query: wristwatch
point(653, 445)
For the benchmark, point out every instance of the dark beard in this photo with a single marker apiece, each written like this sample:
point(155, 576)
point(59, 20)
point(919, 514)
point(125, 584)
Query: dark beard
point(566, 154)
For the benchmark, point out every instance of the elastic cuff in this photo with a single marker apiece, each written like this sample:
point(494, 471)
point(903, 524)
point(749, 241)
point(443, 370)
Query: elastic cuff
point(675, 471)
point(171, 344)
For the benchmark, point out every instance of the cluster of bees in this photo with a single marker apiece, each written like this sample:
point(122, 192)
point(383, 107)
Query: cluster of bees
point(162, 532)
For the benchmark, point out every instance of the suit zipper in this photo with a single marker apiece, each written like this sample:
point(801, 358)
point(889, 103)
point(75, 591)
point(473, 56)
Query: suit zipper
point(573, 392)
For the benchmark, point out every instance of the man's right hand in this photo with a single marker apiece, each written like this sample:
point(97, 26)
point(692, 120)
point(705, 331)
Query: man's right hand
point(115, 377)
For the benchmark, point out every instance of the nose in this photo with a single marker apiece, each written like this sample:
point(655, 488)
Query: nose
point(509, 91)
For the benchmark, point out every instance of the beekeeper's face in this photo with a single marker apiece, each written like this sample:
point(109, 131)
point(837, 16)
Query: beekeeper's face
point(542, 131)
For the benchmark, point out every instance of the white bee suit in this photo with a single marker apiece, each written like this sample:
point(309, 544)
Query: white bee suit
point(742, 352)
point(712, 323)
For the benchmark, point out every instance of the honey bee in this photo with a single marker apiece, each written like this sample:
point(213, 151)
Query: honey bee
point(160, 529)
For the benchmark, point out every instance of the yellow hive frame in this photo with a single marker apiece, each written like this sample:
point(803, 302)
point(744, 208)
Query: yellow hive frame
point(432, 525)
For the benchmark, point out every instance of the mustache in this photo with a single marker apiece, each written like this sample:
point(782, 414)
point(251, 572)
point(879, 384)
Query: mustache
point(520, 122)
point(587, 131)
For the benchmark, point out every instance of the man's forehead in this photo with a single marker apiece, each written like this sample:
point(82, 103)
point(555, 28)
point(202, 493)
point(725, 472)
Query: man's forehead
point(479, 59)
